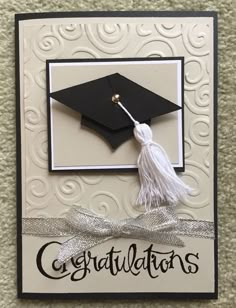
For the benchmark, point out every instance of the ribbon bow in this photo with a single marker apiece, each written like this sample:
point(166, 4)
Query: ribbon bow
point(160, 226)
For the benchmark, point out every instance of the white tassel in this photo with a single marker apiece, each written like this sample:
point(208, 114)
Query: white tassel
point(159, 182)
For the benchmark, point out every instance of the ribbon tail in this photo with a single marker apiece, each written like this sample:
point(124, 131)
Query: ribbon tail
point(77, 245)
point(166, 238)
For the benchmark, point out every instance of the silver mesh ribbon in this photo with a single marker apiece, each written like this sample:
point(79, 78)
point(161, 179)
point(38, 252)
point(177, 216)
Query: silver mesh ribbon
point(160, 226)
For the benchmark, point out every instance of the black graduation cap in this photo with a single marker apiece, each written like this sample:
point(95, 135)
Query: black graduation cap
point(93, 100)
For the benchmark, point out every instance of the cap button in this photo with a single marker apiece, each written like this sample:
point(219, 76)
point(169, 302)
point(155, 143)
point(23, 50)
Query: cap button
point(115, 98)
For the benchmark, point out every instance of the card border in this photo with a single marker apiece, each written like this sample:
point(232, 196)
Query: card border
point(111, 169)
point(110, 296)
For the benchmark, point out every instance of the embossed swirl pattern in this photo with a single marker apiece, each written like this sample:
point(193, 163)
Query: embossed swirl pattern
point(106, 41)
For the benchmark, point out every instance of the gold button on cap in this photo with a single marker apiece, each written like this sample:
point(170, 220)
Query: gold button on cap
point(116, 98)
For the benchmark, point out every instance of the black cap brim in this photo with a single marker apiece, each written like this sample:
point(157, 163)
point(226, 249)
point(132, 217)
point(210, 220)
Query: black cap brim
point(113, 138)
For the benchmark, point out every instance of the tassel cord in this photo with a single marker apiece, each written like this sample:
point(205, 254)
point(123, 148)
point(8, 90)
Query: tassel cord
point(128, 113)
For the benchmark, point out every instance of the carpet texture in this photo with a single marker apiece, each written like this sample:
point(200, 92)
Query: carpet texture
point(226, 146)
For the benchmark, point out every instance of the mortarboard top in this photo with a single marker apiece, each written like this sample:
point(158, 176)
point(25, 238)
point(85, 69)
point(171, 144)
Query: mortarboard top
point(93, 100)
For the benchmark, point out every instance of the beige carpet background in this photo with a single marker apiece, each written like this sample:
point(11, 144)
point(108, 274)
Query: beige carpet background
point(226, 147)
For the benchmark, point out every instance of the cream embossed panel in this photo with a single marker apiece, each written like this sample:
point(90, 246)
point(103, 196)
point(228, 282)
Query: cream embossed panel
point(114, 194)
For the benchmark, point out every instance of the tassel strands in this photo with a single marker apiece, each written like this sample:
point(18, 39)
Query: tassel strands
point(158, 180)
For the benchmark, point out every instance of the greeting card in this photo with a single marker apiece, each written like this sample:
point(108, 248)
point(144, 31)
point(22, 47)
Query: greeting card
point(116, 144)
